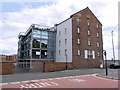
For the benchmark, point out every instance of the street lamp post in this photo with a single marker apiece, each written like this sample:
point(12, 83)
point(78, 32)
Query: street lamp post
point(113, 47)
point(104, 51)
point(66, 61)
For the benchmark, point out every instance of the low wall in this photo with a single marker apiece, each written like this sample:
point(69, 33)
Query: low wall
point(6, 68)
point(55, 66)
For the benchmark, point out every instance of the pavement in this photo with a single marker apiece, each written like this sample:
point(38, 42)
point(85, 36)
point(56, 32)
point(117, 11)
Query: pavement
point(112, 73)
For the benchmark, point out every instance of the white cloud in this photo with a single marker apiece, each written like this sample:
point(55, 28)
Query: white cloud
point(19, 21)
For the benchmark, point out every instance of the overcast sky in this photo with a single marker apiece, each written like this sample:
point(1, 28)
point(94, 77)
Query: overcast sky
point(18, 15)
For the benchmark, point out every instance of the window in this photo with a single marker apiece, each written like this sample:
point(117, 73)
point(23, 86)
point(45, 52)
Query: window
point(88, 32)
point(88, 16)
point(59, 52)
point(78, 41)
point(36, 43)
point(43, 54)
point(65, 41)
point(78, 30)
point(88, 22)
point(36, 54)
point(97, 26)
point(59, 42)
point(44, 44)
point(97, 34)
point(65, 31)
point(78, 52)
point(78, 21)
point(98, 44)
point(93, 54)
point(59, 33)
point(89, 54)
point(36, 33)
point(86, 53)
point(98, 54)
point(65, 51)
point(89, 42)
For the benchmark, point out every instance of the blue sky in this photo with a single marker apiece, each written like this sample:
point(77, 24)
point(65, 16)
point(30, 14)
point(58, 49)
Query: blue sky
point(18, 15)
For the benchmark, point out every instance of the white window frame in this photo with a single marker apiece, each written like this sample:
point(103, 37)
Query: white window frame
point(97, 34)
point(98, 54)
point(78, 41)
point(93, 54)
point(88, 22)
point(78, 30)
point(78, 52)
point(89, 42)
point(98, 44)
point(86, 54)
point(88, 32)
point(78, 21)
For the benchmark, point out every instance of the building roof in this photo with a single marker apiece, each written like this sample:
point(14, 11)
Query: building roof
point(83, 10)
point(77, 13)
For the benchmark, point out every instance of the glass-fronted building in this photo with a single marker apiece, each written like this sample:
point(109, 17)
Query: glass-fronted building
point(38, 43)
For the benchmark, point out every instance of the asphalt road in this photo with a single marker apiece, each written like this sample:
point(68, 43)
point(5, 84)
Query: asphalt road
point(81, 81)
point(34, 76)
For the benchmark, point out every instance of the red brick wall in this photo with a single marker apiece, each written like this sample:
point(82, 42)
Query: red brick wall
point(80, 61)
point(6, 68)
point(55, 66)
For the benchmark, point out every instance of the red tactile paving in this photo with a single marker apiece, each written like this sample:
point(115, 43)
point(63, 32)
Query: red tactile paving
point(83, 81)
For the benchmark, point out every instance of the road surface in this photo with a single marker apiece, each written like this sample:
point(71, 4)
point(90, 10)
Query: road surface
point(81, 81)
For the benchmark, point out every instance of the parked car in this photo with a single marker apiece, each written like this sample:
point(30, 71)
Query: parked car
point(114, 65)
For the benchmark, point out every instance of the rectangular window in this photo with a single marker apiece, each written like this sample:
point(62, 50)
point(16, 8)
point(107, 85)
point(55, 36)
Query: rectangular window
point(86, 53)
point(93, 54)
point(78, 41)
point(35, 54)
point(89, 54)
point(89, 42)
point(65, 41)
point(43, 54)
point(65, 51)
point(78, 52)
point(59, 33)
point(36, 33)
point(88, 16)
point(59, 42)
point(44, 44)
point(97, 26)
point(97, 34)
point(98, 45)
point(59, 52)
point(78, 30)
point(88, 32)
point(88, 22)
point(65, 31)
point(78, 21)
point(36, 43)
point(98, 54)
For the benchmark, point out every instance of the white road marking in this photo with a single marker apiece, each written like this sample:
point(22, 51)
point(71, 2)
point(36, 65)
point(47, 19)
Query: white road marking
point(25, 81)
point(77, 80)
point(15, 82)
point(34, 80)
point(105, 78)
point(3, 83)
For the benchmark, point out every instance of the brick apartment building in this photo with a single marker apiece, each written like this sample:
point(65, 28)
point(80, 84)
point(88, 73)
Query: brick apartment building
point(8, 57)
point(74, 43)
